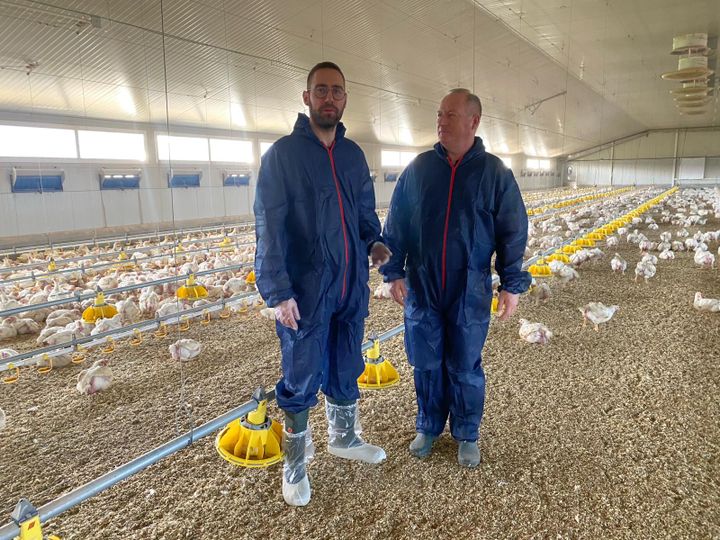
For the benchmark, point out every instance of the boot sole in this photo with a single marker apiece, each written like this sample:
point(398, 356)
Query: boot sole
point(348, 453)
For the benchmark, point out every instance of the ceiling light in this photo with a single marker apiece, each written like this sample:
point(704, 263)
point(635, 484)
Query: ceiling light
point(690, 44)
point(690, 68)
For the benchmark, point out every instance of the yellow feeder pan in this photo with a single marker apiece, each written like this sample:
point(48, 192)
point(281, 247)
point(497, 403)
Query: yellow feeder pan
point(378, 373)
point(596, 235)
point(100, 309)
point(51, 265)
point(254, 440)
point(191, 290)
point(178, 249)
point(122, 256)
point(558, 257)
point(569, 250)
point(583, 242)
point(250, 278)
point(226, 244)
point(540, 270)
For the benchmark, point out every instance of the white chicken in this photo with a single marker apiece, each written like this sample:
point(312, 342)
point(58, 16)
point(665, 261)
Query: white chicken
point(618, 264)
point(597, 313)
point(652, 259)
point(129, 311)
point(667, 255)
point(185, 349)
point(96, 378)
point(541, 292)
point(7, 353)
point(706, 304)
point(563, 272)
point(382, 292)
point(611, 241)
point(149, 301)
point(60, 361)
point(645, 270)
point(534, 332)
point(704, 259)
point(105, 325)
point(26, 326)
point(267, 313)
point(7, 328)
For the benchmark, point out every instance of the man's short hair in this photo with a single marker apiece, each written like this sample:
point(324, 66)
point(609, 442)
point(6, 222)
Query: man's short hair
point(324, 65)
point(471, 99)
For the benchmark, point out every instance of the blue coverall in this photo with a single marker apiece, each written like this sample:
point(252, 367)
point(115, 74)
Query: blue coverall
point(445, 222)
point(315, 223)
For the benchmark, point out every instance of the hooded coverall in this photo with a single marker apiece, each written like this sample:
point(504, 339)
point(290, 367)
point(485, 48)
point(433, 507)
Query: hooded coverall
point(444, 224)
point(315, 223)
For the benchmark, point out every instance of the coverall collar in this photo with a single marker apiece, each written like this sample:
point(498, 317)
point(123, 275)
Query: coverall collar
point(302, 127)
point(477, 149)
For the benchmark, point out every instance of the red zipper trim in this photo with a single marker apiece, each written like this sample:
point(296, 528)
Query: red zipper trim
point(447, 215)
point(342, 218)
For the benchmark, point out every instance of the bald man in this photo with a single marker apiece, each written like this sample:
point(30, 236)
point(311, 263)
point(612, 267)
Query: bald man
point(452, 209)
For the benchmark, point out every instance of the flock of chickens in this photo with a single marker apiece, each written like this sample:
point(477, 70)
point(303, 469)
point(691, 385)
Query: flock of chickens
point(690, 209)
point(61, 324)
point(683, 210)
point(686, 211)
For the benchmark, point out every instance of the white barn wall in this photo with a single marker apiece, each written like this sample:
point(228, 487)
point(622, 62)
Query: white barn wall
point(652, 158)
point(84, 210)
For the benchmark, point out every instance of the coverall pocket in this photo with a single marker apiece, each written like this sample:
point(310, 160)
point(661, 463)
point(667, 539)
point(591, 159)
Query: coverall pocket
point(478, 297)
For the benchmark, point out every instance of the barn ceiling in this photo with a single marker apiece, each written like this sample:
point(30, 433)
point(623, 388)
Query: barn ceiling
point(555, 76)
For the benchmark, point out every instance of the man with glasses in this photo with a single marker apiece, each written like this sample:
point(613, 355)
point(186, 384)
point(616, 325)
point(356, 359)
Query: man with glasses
point(452, 208)
point(316, 225)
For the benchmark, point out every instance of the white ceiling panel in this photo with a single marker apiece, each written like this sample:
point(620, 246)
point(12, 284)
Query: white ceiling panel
point(555, 76)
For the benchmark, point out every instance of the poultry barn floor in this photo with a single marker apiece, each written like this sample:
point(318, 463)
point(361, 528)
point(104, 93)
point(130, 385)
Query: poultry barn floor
point(609, 434)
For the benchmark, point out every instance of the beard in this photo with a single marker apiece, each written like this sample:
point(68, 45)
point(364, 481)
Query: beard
point(323, 120)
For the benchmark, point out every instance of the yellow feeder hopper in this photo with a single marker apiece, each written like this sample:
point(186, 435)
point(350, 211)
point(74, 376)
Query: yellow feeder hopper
point(252, 441)
point(379, 373)
point(100, 309)
point(191, 290)
point(226, 244)
point(539, 270)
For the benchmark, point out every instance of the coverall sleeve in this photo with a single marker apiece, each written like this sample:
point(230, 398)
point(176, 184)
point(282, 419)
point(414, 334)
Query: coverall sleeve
point(396, 230)
point(511, 227)
point(271, 210)
point(369, 222)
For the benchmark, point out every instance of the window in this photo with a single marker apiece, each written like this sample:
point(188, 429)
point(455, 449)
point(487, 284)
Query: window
point(184, 178)
point(236, 178)
point(182, 148)
point(120, 178)
point(507, 160)
point(31, 180)
point(35, 142)
point(539, 164)
point(111, 145)
point(391, 177)
point(231, 151)
point(264, 147)
point(394, 158)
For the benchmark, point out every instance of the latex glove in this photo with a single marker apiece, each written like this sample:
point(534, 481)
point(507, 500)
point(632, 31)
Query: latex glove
point(379, 254)
point(507, 304)
point(287, 313)
point(398, 291)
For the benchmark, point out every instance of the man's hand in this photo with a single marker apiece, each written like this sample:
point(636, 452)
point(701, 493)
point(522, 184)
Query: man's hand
point(287, 313)
point(398, 291)
point(507, 304)
point(379, 254)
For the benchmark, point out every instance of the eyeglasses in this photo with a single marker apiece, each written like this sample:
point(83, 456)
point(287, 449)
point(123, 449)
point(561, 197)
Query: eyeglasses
point(321, 92)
